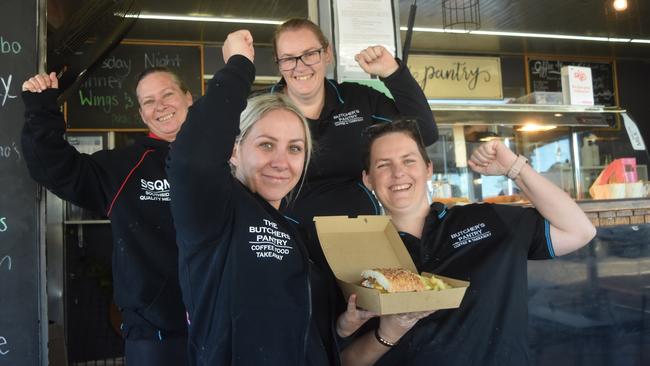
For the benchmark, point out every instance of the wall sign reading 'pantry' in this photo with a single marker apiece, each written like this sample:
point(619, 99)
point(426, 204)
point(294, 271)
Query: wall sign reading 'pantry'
point(457, 77)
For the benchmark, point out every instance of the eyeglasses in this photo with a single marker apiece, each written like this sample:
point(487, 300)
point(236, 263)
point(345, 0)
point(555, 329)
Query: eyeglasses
point(308, 58)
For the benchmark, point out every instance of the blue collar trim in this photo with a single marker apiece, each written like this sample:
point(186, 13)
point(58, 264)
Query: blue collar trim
point(338, 95)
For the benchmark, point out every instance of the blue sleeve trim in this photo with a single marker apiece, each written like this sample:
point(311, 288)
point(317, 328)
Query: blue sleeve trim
point(338, 95)
point(292, 219)
point(382, 119)
point(442, 213)
point(371, 197)
point(547, 232)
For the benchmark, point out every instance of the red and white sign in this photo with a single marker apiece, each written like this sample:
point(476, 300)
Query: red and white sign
point(577, 87)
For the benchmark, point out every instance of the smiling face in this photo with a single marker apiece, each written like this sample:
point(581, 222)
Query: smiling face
point(271, 157)
point(163, 105)
point(398, 174)
point(303, 82)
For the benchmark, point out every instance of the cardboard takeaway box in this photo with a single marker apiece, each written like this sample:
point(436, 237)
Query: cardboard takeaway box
point(619, 179)
point(352, 245)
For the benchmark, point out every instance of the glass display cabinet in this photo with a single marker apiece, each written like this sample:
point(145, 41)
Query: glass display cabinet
point(589, 307)
point(569, 145)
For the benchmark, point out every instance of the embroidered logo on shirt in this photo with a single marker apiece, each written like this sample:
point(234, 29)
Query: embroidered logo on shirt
point(347, 118)
point(269, 242)
point(154, 190)
point(470, 235)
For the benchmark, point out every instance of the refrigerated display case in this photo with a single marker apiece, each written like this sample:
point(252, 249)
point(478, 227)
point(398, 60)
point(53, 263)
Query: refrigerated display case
point(589, 307)
point(569, 145)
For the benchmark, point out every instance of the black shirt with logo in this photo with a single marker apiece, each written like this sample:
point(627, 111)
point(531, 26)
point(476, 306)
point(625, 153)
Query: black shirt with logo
point(333, 181)
point(130, 186)
point(246, 278)
point(489, 246)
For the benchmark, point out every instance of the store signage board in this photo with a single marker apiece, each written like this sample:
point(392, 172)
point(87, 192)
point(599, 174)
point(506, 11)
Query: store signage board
point(457, 77)
point(107, 101)
point(545, 75)
point(359, 24)
point(22, 261)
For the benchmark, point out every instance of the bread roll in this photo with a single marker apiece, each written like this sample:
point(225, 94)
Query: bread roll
point(392, 280)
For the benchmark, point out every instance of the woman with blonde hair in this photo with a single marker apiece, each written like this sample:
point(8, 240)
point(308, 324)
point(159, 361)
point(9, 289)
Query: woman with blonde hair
point(253, 296)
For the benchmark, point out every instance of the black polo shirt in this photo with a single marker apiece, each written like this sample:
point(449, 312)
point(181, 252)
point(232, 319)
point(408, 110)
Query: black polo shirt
point(333, 180)
point(489, 246)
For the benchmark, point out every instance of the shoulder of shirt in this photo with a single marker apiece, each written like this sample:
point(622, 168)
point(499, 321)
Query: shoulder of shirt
point(351, 85)
point(470, 208)
point(139, 147)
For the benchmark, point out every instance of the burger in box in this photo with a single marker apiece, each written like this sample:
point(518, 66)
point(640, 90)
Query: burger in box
point(368, 250)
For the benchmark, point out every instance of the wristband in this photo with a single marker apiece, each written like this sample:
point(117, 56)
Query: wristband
point(381, 340)
point(516, 167)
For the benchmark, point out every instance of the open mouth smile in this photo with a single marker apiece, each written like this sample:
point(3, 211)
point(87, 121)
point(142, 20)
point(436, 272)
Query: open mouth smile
point(166, 117)
point(400, 187)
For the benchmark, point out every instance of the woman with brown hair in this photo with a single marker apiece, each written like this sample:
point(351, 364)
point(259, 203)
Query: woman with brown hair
point(486, 244)
point(337, 114)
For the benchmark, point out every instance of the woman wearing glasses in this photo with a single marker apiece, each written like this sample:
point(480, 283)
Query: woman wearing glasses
point(338, 113)
point(486, 244)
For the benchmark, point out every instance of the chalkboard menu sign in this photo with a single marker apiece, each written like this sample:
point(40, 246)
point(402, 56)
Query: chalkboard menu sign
point(20, 265)
point(544, 75)
point(107, 101)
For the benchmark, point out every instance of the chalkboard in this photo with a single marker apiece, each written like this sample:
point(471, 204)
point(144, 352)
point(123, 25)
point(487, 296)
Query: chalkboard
point(544, 75)
point(107, 101)
point(20, 264)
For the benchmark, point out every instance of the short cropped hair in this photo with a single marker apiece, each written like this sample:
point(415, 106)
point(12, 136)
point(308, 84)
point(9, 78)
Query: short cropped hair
point(406, 126)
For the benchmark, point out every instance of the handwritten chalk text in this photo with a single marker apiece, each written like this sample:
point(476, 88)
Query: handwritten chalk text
point(156, 59)
point(5, 262)
point(7, 46)
point(4, 346)
point(5, 89)
point(7, 151)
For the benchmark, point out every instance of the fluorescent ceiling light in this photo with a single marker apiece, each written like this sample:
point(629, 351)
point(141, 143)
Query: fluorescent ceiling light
point(532, 127)
point(624, 40)
point(204, 18)
point(436, 30)
point(528, 35)
point(539, 35)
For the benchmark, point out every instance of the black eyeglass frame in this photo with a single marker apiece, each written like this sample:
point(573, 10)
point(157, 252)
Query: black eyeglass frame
point(296, 58)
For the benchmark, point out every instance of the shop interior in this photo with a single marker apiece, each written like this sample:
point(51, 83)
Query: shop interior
point(591, 307)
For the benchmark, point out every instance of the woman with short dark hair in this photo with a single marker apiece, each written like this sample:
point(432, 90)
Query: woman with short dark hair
point(486, 244)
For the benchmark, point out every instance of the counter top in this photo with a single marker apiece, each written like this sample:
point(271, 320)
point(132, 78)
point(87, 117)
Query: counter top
point(617, 212)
